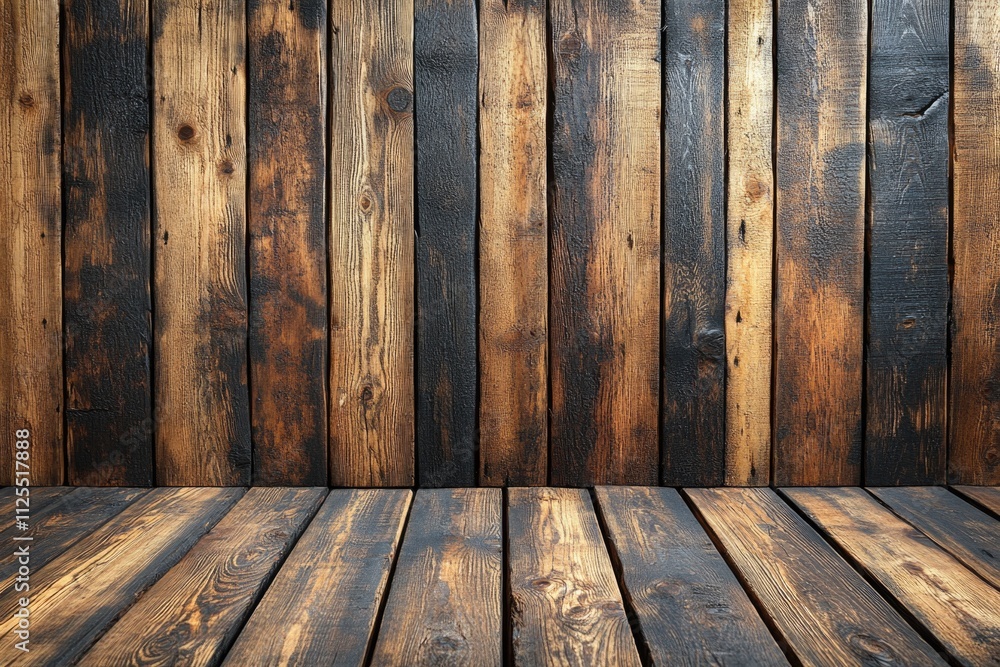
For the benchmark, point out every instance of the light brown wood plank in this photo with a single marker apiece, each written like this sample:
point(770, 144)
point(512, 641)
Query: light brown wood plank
point(987, 496)
point(565, 605)
point(322, 605)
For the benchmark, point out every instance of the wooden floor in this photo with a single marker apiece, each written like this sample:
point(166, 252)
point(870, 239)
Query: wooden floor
point(530, 576)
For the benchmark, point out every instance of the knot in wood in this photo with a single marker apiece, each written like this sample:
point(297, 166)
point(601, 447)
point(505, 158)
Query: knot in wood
point(399, 99)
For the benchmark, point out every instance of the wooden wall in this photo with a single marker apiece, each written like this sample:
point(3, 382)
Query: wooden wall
point(506, 242)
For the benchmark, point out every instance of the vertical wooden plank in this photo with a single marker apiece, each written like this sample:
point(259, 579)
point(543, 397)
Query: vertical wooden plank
point(605, 241)
point(31, 376)
point(286, 153)
point(513, 244)
point(693, 438)
point(821, 53)
point(974, 445)
point(371, 243)
point(106, 274)
point(750, 242)
point(908, 242)
point(446, 54)
point(202, 404)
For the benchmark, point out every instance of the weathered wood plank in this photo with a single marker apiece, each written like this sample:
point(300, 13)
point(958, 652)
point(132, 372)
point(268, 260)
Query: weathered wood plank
point(80, 593)
point(193, 613)
point(446, 600)
point(821, 54)
point(974, 417)
point(690, 607)
point(605, 241)
point(961, 610)
point(823, 610)
point(693, 440)
point(31, 373)
point(286, 156)
point(750, 242)
point(446, 54)
point(329, 590)
point(35, 500)
point(565, 605)
point(202, 405)
point(970, 535)
point(908, 242)
point(513, 244)
point(987, 496)
point(106, 269)
point(371, 243)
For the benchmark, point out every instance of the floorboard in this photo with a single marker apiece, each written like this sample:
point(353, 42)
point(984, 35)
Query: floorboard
point(986, 496)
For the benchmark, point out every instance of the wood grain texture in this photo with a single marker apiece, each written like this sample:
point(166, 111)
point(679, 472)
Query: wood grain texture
point(202, 404)
point(974, 417)
point(908, 242)
point(970, 535)
point(821, 64)
point(693, 439)
point(106, 271)
point(371, 243)
point(565, 605)
point(513, 244)
point(605, 241)
point(959, 608)
point(749, 241)
point(690, 607)
point(35, 501)
point(286, 156)
point(31, 373)
point(192, 614)
point(446, 602)
point(345, 554)
point(821, 608)
point(986, 496)
point(79, 594)
point(446, 55)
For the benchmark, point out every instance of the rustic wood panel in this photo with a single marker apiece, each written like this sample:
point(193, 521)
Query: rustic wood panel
point(192, 614)
point(34, 499)
point(959, 608)
point(31, 373)
point(749, 241)
point(605, 241)
point(79, 594)
point(693, 440)
point(986, 496)
point(446, 599)
point(908, 242)
point(823, 610)
point(200, 345)
point(821, 54)
point(286, 217)
point(565, 605)
point(345, 554)
point(513, 244)
point(974, 419)
point(371, 243)
point(106, 256)
point(690, 607)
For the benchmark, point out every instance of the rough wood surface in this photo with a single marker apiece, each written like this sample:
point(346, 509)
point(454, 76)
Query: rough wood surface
point(974, 416)
point(750, 242)
point(345, 554)
point(987, 496)
point(199, 239)
point(106, 240)
point(605, 241)
point(286, 219)
point(690, 607)
point(371, 243)
point(31, 372)
point(822, 609)
point(959, 608)
point(79, 594)
point(513, 244)
point(192, 614)
point(820, 128)
point(446, 600)
point(693, 440)
point(565, 605)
